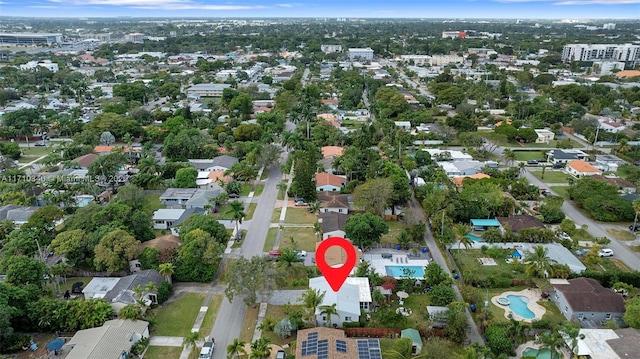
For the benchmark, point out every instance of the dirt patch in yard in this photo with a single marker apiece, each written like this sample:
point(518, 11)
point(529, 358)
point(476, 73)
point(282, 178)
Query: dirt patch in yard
point(621, 234)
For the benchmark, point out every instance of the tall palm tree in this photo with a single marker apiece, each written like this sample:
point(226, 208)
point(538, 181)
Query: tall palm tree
point(191, 340)
point(260, 348)
point(636, 209)
point(288, 258)
point(150, 165)
point(462, 230)
point(538, 263)
point(552, 341)
point(236, 348)
point(282, 187)
point(166, 270)
point(311, 299)
point(572, 333)
point(329, 311)
point(509, 155)
point(623, 146)
point(236, 210)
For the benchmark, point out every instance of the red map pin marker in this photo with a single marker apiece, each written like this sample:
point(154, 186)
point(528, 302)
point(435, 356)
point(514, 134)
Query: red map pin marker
point(336, 276)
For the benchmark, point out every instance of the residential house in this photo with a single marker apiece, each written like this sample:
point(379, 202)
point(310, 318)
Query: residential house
point(332, 224)
point(222, 162)
point(212, 180)
point(327, 182)
point(461, 167)
point(588, 302)
point(329, 343)
point(403, 125)
point(611, 126)
point(355, 294)
point(544, 136)
point(86, 160)
point(113, 340)
point(333, 202)
point(518, 222)
point(332, 151)
point(165, 218)
point(579, 169)
point(177, 196)
point(608, 163)
point(447, 155)
point(202, 199)
point(556, 253)
point(19, 215)
point(458, 180)
point(608, 343)
point(564, 156)
point(622, 185)
point(121, 291)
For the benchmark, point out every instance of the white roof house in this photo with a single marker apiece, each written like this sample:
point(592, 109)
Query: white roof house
point(112, 340)
point(455, 155)
point(347, 301)
point(165, 218)
point(99, 287)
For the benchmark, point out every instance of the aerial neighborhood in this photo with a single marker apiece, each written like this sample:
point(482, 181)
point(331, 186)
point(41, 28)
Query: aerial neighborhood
point(166, 184)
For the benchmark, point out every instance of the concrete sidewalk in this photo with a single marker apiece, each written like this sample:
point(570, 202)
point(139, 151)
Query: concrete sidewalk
point(158, 341)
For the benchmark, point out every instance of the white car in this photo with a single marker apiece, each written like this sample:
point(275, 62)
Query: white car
point(207, 350)
point(564, 235)
point(605, 252)
point(301, 253)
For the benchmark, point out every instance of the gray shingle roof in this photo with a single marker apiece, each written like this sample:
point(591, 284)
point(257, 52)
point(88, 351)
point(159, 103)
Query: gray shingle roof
point(129, 282)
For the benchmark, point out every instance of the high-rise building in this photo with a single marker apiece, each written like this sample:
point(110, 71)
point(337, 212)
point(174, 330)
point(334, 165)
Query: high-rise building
point(361, 54)
point(628, 53)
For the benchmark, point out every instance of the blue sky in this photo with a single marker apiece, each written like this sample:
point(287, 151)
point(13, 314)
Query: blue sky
point(327, 8)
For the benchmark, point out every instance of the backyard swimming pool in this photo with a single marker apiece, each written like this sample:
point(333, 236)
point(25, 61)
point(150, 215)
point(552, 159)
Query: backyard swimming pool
point(474, 238)
point(518, 305)
point(399, 271)
point(538, 353)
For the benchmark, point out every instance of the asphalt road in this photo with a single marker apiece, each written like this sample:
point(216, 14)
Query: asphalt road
point(228, 324)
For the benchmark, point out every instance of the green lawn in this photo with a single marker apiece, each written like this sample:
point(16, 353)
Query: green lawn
point(259, 190)
point(551, 176)
point(418, 304)
point(551, 144)
point(152, 204)
point(249, 324)
point(271, 239)
point(36, 151)
point(621, 234)
point(251, 210)
point(265, 174)
point(300, 216)
point(64, 286)
point(562, 191)
point(395, 228)
point(176, 319)
point(470, 266)
point(246, 188)
point(163, 353)
point(528, 155)
point(210, 315)
point(222, 212)
point(275, 216)
point(552, 314)
point(304, 238)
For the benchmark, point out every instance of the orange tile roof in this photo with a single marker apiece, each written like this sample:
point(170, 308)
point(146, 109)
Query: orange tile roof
point(323, 179)
point(262, 108)
point(218, 175)
point(329, 100)
point(582, 166)
point(327, 116)
point(102, 149)
point(457, 180)
point(332, 151)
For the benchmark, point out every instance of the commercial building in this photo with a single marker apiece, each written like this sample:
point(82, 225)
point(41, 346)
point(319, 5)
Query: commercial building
point(607, 67)
point(135, 37)
point(207, 90)
point(35, 65)
point(30, 38)
point(454, 34)
point(331, 48)
point(361, 54)
point(627, 53)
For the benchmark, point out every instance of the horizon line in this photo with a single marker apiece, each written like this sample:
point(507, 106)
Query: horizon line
point(311, 17)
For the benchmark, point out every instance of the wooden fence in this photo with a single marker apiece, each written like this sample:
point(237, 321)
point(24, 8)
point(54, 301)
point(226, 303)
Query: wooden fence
point(388, 332)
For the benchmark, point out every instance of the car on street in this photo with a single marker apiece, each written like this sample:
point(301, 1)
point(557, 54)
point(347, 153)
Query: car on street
point(581, 252)
point(605, 252)
point(207, 350)
point(274, 254)
point(233, 195)
point(532, 162)
point(558, 166)
point(634, 227)
point(40, 144)
point(301, 253)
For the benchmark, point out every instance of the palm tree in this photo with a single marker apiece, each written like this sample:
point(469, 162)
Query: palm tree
point(538, 263)
point(150, 165)
point(521, 166)
point(329, 311)
point(311, 299)
point(623, 146)
point(236, 348)
point(552, 341)
point(509, 155)
point(314, 207)
point(462, 230)
point(236, 210)
point(404, 239)
point(288, 257)
point(260, 348)
point(282, 187)
point(166, 270)
point(636, 209)
point(191, 340)
point(572, 333)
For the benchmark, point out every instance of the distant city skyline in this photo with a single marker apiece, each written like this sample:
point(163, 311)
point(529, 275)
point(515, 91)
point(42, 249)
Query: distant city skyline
point(527, 9)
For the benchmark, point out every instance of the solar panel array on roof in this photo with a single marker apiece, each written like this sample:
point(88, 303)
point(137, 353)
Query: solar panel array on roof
point(310, 346)
point(369, 349)
point(341, 346)
point(323, 349)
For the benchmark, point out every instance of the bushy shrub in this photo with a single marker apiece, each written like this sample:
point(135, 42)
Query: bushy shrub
point(15, 342)
point(164, 291)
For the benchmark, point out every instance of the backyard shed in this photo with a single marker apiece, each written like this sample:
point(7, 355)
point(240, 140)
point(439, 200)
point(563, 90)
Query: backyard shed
point(483, 224)
point(416, 341)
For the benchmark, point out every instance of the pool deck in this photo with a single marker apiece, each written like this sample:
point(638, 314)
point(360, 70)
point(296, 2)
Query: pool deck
point(400, 259)
point(531, 344)
point(533, 295)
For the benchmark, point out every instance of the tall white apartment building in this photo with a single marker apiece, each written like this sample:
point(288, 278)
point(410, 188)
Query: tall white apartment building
point(361, 54)
point(591, 52)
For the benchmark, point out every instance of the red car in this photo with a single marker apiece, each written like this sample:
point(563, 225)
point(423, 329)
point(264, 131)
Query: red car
point(274, 253)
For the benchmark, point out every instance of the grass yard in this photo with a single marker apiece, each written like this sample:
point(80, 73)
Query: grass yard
point(395, 228)
point(222, 212)
point(246, 188)
point(251, 210)
point(275, 216)
point(617, 264)
point(64, 286)
point(551, 176)
point(258, 190)
point(552, 314)
point(562, 191)
point(470, 266)
point(304, 238)
point(176, 319)
point(36, 151)
point(551, 144)
point(249, 324)
point(635, 248)
point(265, 174)
point(528, 155)
point(277, 313)
point(300, 216)
point(621, 234)
point(152, 204)
point(163, 353)
point(272, 233)
point(210, 315)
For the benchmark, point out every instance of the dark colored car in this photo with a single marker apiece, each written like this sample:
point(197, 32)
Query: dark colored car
point(234, 195)
point(558, 165)
point(634, 228)
point(532, 162)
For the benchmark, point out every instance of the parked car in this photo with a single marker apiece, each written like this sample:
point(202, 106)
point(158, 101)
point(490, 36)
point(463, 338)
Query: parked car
point(274, 253)
point(558, 166)
point(40, 144)
point(564, 235)
point(233, 195)
point(207, 350)
point(581, 252)
point(532, 162)
point(301, 253)
point(301, 202)
point(634, 228)
point(605, 252)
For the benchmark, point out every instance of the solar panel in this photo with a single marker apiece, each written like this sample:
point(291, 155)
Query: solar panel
point(368, 349)
point(341, 346)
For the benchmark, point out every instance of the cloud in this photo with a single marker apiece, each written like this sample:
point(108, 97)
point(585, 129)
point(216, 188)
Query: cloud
point(576, 2)
point(285, 5)
point(158, 4)
point(43, 6)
